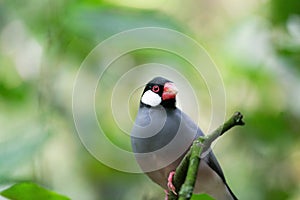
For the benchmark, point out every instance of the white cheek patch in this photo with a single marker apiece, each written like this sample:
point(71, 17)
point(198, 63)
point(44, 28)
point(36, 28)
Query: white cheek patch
point(150, 98)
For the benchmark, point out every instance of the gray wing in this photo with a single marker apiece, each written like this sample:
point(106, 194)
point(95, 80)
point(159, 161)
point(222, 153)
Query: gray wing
point(214, 164)
point(210, 159)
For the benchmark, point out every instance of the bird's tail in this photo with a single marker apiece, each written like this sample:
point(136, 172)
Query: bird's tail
point(231, 193)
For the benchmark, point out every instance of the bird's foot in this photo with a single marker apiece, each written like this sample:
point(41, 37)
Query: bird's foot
point(170, 184)
point(167, 194)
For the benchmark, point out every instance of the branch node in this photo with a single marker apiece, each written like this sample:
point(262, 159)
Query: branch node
point(238, 118)
point(186, 172)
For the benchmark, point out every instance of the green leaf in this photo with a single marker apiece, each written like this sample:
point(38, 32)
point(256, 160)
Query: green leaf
point(100, 22)
point(201, 197)
point(20, 146)
point(30, 191)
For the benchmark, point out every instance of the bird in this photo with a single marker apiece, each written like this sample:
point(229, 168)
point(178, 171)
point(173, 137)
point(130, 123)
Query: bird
point(161, 136)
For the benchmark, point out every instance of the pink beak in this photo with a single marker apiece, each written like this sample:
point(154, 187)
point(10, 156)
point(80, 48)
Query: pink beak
point(170, 91)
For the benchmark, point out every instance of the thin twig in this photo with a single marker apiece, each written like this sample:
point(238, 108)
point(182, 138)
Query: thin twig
point(186, 172)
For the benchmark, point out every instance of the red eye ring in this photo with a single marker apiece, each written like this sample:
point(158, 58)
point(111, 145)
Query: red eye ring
point(155, 88)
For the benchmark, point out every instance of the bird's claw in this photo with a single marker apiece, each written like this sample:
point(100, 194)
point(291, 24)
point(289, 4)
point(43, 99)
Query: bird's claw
point(167, 195)
point(170, 182)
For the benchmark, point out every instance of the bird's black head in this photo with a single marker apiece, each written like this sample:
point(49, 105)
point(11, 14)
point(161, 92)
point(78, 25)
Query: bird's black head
point(159, 91)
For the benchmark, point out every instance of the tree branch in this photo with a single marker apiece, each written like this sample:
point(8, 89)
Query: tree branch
point(186, 172)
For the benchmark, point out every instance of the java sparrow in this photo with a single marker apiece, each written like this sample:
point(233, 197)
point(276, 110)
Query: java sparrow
point(162, 134)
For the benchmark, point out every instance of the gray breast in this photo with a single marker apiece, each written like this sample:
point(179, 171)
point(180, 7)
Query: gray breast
point(161, 135)
point(154, 128)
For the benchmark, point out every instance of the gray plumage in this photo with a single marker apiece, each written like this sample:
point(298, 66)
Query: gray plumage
point(161, 136)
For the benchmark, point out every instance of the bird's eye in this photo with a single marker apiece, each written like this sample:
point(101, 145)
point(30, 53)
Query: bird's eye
point(155, 88)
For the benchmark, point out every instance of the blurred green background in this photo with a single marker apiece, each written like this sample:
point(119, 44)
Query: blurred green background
point(255, 44)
